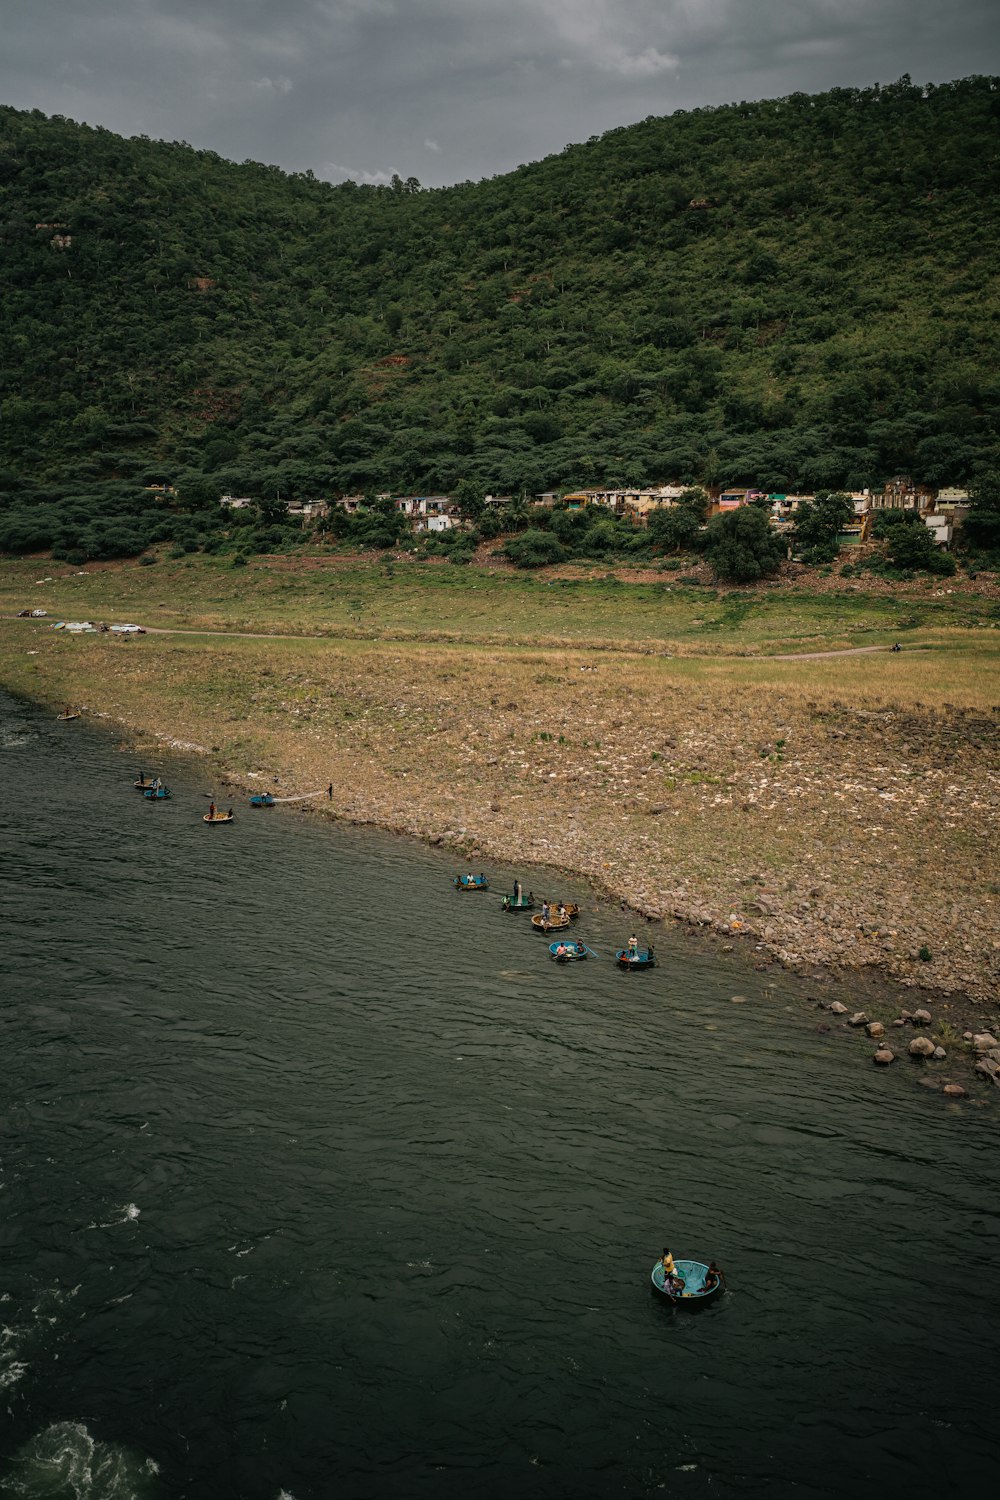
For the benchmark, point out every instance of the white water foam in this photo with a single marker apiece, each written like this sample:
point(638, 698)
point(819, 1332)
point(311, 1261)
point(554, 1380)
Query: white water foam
point(63, 1462)
point(128, 1211)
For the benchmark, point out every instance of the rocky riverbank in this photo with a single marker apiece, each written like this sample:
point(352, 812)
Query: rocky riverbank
point(821, 817)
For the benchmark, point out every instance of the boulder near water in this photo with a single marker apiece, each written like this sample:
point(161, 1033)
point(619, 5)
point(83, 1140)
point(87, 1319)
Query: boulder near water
point(883, 1057)
point(858, 1019)
point(921, 1018)
point(875, 1029)
point(955, 1091)
point(837, 1009)
point(921, 1046)
point(984, 1041)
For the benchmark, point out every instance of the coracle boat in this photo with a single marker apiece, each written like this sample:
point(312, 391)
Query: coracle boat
point(145, 783)
point(565, 953)
point(226, 817)
point(641, 958)
point(157, 793)
point(692, 1291)
point(471, 883)
point(552, 923)
point(262, 799)
point(518, 903)
point(65, 718)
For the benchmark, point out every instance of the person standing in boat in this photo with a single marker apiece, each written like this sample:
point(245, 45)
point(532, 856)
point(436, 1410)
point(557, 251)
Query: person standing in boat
point(668, 1263)
point(633, 946)
point(712, 1277)
point(211, 809)
point(517, 893)
point(545, 911)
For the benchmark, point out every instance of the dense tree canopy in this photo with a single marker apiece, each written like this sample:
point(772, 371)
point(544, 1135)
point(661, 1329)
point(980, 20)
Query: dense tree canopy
point(798, 293)
point(741, 547)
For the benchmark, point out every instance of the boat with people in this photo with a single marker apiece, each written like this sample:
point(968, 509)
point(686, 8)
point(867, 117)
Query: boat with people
point(551, 921)
point(471, 883)
point(157, 792)
point(518, 903)
point(217, 817)
point(145, 783)
point(635, 958)
point(66, 715)
point(690, 1284)
point(565, 953)
point(262, 799)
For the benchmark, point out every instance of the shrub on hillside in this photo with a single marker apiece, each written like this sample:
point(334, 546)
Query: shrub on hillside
point(535, 549)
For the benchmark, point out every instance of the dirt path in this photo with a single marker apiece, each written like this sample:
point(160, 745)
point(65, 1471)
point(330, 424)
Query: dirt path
point(248, 635)
point(818, 655)
point(258, 635)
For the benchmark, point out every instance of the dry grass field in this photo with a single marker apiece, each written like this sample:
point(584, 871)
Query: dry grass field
point(841, 809)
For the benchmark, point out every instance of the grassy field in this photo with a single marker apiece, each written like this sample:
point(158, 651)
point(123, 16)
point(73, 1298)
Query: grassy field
point(338, 596)
point(841, 808)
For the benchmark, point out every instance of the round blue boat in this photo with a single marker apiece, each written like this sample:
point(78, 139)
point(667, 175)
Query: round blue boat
point(157, 793)
point(693, 1292)
point(262, 799)
point(565, 953)
point(471, 883)
point(642, 958)
point(518, 903)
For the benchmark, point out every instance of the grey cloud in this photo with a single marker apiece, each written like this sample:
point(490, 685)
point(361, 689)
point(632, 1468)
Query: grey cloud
point(452, 89)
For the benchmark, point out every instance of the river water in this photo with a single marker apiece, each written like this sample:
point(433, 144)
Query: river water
point(318, 1179)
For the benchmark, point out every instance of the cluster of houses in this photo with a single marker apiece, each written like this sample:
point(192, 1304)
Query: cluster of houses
point(941, 510)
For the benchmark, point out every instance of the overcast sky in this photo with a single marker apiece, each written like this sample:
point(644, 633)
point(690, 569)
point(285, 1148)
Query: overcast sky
point(446, 90)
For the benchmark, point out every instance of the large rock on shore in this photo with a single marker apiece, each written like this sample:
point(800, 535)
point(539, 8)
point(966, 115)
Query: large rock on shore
point(955, 1091)
point(858, 1019)
point(921, 1046)
point(989, 1069)
point(984, 1041)
point(836, 1009)
point(921, 1018)
point(875, 1029)
point(883, 1057)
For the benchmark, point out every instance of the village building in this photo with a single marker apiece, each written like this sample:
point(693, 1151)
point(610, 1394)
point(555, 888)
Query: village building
point(429, 512)
point(309, 510)
point(901, 493)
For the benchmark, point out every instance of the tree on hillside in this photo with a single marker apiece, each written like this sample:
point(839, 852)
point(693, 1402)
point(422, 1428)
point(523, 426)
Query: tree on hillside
point(469, 496)
point(982, 526)
point(740, 546)
point(818, 524)
point(909, 545)
point(674, 527)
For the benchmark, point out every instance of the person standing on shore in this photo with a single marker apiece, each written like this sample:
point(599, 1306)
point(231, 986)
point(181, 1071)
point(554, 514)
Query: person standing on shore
point(329, 792)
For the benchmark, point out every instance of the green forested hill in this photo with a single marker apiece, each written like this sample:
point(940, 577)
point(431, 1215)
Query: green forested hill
point(801, 292)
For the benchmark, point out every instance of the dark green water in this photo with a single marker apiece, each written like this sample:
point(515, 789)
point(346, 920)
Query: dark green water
point(320, 1180)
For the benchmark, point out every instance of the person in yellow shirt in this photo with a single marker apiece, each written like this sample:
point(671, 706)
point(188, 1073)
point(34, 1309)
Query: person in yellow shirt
point(667, 1262)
